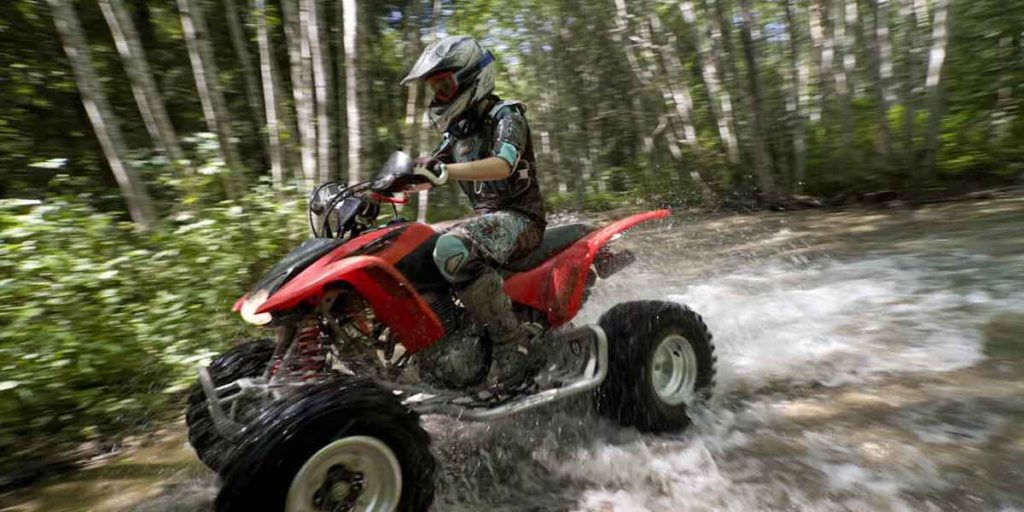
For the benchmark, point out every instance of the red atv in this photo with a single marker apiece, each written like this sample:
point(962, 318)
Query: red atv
point(369, 336)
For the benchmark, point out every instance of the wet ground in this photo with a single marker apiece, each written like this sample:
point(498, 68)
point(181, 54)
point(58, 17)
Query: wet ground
point(869, 360)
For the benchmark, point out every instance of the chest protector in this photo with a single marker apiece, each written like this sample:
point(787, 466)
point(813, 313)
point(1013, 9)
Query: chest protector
point(503, 124)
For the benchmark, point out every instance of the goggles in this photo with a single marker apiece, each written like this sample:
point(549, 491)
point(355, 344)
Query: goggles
point(444, 85)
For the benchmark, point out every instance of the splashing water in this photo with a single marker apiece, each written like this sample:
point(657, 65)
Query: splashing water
point(867, 361)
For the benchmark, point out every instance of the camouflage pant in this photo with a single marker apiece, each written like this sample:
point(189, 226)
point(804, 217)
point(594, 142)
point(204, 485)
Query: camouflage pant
point(486, 241)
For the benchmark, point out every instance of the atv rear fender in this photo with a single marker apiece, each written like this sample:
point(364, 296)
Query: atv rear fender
point(394, 301)
point(556, 286)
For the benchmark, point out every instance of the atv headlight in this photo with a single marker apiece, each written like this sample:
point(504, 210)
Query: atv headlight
point(253, 303)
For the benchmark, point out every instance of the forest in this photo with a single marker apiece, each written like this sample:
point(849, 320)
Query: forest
point(155, 156)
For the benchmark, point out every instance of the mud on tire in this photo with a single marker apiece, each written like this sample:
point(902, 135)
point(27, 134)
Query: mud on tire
point(248, 359)
point(308, 421)
point(636, 332)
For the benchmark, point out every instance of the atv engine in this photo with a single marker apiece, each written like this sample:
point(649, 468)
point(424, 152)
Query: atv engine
point(459, 360)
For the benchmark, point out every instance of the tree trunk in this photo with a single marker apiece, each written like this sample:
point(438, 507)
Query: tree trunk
point(718, 97)
point(751, 36)
point(643, 75)
point(320, 86)
point(94, 100)
point(241, 45)
point(270, 101)
point(822, 52)
point(350, 40)
point(411, 37)
point(665, 43)
point(147, 96)
point(914, 20)
point(796, 101)
point(936, 58)
point(845, 61)
point(423, 198)
point(301, 86)
point(204, 70)
point(881, 74)
point(720, 31)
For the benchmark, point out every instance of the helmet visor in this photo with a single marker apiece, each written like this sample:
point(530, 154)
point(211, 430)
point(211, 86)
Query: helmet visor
point(443, 86)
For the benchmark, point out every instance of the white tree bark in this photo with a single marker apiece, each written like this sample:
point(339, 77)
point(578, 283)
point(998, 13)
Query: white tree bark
point(320, 87)
point(822, 51)
point(301, 76)
point(270, 101)
point(144, 89)
point(349, 39)
point(936, 59)
point(664, 43)
point(133, 189)
point(204, 70)
point(621, 34)
point(915, 19)
point(841, 42)
point(852, 22)
point(882, 49)
point(423, 198)
point(718, 96)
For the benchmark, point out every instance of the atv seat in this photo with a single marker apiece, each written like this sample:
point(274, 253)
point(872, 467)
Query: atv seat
point(556, 240)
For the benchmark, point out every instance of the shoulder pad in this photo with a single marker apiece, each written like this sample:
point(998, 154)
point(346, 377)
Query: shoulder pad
point(505, 103)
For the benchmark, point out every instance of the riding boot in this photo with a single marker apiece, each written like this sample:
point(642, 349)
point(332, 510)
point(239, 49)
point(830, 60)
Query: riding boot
point(513, 359)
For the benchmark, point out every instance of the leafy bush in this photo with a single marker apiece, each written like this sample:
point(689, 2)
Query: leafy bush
point(101, 326)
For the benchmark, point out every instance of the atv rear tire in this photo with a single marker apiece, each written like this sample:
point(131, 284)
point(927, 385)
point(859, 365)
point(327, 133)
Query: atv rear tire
point(661, 361)
point(325, 445)
point(248, 359)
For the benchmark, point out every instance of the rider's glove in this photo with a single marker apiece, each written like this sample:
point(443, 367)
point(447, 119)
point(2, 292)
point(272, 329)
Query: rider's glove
point(434, 170)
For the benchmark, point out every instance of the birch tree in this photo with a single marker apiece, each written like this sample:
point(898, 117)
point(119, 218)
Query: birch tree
point(301, 75)
point(751, 37)
point(349, 41)
point(822, 52)
point(914, 16)
point(270, 101)
point(933, 82)
point(718, 97)
point(309, 16)
point(144, 90)
point(881, 48)
point(240, 43)
point(796, 102)
point(410, 140)
point(101, 117)
point(211, 96)
point(846, 61)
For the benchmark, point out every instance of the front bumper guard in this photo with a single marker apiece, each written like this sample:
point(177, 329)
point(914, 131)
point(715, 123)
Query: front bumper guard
point(424, 400)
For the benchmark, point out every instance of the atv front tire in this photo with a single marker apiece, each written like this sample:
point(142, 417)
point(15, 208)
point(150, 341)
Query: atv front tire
point(343, 444)
point(248, 359)
point(661, 362)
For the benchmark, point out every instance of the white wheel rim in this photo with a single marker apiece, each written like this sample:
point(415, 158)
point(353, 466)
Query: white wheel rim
point(358, 473)
point(674, 370)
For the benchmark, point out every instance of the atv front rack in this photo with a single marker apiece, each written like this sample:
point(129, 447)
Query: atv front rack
point(552, 385)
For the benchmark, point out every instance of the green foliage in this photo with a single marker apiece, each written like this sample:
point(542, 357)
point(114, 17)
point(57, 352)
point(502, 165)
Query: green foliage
point(100, 325)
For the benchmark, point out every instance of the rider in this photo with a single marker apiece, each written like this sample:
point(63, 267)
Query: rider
point(486, 147)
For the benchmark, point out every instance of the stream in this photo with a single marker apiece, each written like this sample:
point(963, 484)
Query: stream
point(869, 360)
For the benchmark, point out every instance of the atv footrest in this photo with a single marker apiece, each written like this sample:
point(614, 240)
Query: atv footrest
point(547, 388)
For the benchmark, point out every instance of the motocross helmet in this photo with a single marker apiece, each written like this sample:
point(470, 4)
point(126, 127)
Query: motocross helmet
point(458, 72)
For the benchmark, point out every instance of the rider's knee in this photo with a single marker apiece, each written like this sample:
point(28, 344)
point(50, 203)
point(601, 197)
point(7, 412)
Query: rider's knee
point(457, 258)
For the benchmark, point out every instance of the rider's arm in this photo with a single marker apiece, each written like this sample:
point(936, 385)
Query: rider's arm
point(486, 169)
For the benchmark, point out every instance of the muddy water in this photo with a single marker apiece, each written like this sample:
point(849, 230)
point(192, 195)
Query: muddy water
point(869, 360)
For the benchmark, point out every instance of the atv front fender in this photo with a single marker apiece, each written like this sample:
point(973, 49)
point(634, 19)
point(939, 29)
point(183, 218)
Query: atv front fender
point(394, 301)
